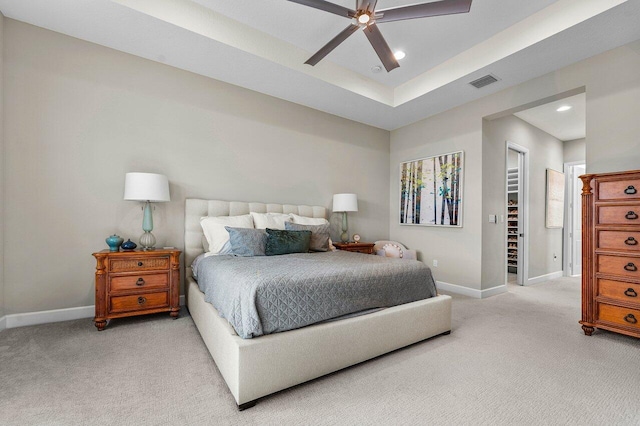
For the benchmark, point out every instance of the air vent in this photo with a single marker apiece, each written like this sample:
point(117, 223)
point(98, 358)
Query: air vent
point(484, 81)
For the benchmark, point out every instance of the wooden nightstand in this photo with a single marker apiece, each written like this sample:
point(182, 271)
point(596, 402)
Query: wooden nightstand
point(136, 283)
point(366, 248)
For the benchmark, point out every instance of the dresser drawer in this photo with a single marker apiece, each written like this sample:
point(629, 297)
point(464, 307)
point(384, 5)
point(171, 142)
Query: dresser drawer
point(139, 282)
point(619, 215)
point(138, 264)
point(619, 315)
point(619, 240)
point(619, 265)
point(618, 290)
point(628, 189)
point(139, 302)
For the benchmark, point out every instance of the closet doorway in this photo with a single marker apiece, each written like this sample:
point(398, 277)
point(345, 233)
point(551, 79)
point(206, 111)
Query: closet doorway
point(573, 219)
point(517, 208)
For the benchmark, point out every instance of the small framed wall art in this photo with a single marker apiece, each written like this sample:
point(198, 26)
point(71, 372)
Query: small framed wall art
point(555, 199)
point(431, 190)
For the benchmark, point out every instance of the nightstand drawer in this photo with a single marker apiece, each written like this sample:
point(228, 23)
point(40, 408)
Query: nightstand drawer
point(139, 282)
point(139, 302)
point(138, 264)
point(619, 315)
point(365, 250)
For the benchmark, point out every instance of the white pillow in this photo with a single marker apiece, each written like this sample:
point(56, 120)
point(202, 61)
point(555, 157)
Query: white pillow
point(302, 220)
point(270, 220)
point(216, 235)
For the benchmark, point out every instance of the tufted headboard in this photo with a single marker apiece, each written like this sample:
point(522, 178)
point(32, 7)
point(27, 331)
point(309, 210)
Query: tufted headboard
point(195, 209)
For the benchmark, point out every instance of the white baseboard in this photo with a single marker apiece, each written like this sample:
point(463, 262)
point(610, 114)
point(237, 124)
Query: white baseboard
point(543, 278)
point(55, 315)
point(471, 292)
point(44, 317)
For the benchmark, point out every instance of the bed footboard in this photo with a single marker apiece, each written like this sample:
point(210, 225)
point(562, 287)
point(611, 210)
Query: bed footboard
point(254, 368)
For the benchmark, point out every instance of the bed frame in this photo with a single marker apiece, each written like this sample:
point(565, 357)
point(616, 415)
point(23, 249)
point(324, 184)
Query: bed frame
point(257, 367)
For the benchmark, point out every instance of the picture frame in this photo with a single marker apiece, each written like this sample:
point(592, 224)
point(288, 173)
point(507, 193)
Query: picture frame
point(554, 215)
point(431, 190)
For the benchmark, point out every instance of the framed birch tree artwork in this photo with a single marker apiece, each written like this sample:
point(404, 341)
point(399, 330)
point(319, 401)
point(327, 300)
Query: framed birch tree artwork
point(431, 190)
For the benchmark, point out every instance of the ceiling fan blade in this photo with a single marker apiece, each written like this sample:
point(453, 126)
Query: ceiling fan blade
point(381, 47)
point(327, 48)
point(444, 7)
point(368, 5)
point(327, 7)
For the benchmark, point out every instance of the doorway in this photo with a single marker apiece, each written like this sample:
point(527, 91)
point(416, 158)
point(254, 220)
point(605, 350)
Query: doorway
point(517, 207)
point(573, 219)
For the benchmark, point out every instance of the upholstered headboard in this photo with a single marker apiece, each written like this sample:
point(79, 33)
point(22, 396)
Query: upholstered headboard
point(195, 209)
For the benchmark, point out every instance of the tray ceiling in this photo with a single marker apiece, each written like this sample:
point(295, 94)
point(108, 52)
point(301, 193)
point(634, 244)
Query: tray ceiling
point(262, 45)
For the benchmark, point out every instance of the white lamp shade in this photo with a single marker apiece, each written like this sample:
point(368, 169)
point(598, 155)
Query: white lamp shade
point(146, 187)
point(345, 203)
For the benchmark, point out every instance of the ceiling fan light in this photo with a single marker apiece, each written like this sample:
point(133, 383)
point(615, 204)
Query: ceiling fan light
point(399, 54)
point(364, 18)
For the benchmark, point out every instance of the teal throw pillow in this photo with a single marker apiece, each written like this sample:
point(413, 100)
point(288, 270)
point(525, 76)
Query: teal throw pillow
point(286, 242)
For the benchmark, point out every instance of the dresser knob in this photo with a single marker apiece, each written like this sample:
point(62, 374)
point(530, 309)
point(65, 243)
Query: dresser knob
point(631, 319)
point(140, 263)
point(631, 293)
point(140, 282)
point(630, 190)
point(631, 215)
point(630, 267)
point(141, 300)
point(631, 241)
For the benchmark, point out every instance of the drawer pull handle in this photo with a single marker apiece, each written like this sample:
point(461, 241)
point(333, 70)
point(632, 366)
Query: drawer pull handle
point(140, 263)
point(142, 300)
point(631, 319)
point(140, 282)
point(631, 293)
point(630, 190)
point(630, 267)
point(631, 215)
point(631, 241)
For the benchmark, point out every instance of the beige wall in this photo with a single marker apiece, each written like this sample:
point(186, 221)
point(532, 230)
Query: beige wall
point(612, 82)
point(79, 116)
point(545, 151)
point(2, 168)
point(575, 150)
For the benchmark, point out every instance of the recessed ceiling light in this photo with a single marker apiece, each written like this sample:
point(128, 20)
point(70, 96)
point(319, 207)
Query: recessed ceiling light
point(376, 69)
point(399, 54)
point(564, 108)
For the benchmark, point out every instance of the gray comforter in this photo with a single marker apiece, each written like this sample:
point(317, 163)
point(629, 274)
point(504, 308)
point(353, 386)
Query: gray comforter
point(268, 294)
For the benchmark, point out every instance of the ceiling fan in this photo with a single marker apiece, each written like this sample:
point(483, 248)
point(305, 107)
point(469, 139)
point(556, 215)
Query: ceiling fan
point(366, 16)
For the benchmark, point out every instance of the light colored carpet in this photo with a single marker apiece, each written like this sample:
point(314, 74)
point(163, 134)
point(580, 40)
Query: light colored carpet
point(516, 358)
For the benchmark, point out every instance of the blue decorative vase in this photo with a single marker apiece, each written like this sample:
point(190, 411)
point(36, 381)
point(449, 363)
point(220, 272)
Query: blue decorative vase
point(114, 242)
point(129, 245)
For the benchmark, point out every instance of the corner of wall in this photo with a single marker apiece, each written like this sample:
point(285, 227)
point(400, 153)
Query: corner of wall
point(2, 169)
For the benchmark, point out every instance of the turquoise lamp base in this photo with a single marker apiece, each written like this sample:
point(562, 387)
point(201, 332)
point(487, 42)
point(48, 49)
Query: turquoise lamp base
point(148, 241)
point(345, 235)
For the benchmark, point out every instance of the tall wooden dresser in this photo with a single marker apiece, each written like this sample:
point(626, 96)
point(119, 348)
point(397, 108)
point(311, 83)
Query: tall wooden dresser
point(611, 252)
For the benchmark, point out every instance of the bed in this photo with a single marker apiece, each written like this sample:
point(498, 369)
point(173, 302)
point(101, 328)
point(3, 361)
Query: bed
point(253, 368)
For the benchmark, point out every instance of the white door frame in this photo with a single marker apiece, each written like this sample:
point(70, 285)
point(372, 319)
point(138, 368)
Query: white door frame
point(523, 212)
point(570, 181)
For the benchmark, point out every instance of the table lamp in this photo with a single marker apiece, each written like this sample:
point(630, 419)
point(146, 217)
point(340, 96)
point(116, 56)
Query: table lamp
point(345, 203)
point(150, 188)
